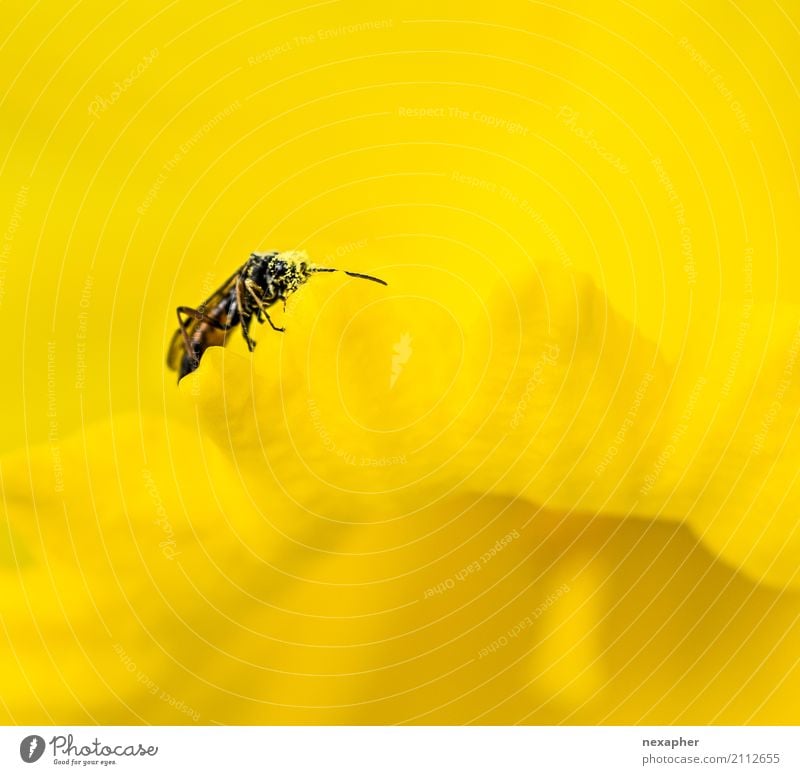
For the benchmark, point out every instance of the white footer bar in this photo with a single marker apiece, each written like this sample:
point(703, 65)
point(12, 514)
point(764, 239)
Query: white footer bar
point(401, 750)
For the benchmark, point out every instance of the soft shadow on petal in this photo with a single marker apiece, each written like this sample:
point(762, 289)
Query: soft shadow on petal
point(177, 597)
point(537, 389)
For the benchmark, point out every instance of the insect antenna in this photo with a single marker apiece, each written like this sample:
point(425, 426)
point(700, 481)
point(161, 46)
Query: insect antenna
point(352, 274)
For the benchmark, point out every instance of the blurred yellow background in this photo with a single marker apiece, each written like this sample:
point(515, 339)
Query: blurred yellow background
point(586, 356)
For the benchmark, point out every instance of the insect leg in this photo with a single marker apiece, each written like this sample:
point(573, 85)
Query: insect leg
point(251, 289)
point(251, 343)
point(246, 317)
point(196, 315)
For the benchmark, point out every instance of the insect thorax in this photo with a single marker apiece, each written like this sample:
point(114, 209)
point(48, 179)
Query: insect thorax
point(276, 274)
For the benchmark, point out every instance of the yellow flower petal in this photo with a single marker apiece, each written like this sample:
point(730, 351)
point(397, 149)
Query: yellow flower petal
point(495, 491)
point(568, 406)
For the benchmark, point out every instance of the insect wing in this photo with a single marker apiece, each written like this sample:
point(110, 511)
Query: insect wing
point(210, 336)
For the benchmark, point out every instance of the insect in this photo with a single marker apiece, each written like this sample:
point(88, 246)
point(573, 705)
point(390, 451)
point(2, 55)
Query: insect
point(263, 280)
